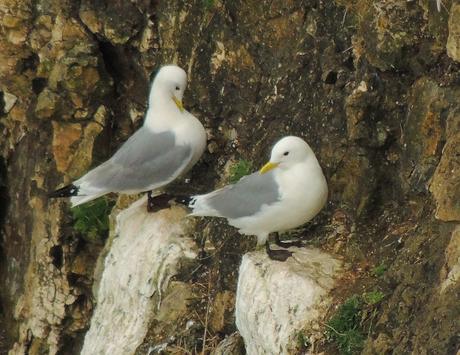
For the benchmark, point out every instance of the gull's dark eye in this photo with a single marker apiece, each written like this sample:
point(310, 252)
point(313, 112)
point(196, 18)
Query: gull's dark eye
point(177, 88)
point(286, 153)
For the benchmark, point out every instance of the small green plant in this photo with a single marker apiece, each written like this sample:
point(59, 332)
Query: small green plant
point(302, 341)
point(345, 329)
point(208, 4)
point(92, 219)
point(239, 169)
point(373, 297)
point(379, 270)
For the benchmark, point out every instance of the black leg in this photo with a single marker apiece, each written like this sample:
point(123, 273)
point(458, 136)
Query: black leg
point(281, 244)
point(279, 255)
point(157, 203)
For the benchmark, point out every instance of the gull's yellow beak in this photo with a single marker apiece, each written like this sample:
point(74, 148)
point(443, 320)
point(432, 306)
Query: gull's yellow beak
point(267, 167)
point(178, 103)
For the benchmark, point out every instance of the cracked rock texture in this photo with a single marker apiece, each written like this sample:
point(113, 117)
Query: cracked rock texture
point(373, 86)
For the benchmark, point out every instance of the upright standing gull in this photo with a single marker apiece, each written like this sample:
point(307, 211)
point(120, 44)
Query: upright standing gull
point(168, 144)
point(288, 191)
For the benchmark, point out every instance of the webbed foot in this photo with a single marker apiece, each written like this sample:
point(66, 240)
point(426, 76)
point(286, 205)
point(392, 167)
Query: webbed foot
point(279, 255)
point(157, 203)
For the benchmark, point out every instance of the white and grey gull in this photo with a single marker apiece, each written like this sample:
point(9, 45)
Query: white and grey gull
point(169, 143)
point(287, 192)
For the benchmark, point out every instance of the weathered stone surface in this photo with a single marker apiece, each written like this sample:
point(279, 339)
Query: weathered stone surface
point(422, 133)
point(276, 300)
point(73, 144)
point(231, 345)
point(143, 257)
point(64, 136)
point(9, 100)
point(387, 29)
point(445, 185)
point(223, 307)
point(450, 273)
point(47, 294)
point(453, 41)
point(118, 21)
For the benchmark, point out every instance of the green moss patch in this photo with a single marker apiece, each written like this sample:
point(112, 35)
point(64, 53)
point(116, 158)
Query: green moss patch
point(379, 270)
point(349, 327)
point(239, 169)
point(91, 219)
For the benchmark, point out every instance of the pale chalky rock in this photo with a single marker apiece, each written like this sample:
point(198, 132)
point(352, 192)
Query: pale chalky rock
point(142, 259)
point(275, 300)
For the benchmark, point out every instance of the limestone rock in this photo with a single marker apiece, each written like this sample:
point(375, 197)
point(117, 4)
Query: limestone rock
point(65, 135)
point(73, 144)
point(275, 300)
point(42, 305)
point(9, 100)
point(137, 270)
point(445, 185)
point(422, 133)
point(453, 41)
point(450, 273)
point(223, 302)
point(385, 30)
point(47, 102)
point(118, 22)
point(231, 345)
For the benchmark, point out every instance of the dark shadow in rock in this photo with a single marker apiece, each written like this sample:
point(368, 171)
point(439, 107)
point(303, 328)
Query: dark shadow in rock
point(38, 84)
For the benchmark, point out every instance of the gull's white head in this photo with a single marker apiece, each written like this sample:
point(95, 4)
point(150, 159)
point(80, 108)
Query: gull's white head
point(287, 152)
point(168, 87)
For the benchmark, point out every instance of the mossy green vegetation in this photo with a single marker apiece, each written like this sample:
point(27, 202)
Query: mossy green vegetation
point(208, 4)
point(303, 343)
point(91, 219)
point(373, 297)
point(379, 270)
point(347, 328)
point(239, 169)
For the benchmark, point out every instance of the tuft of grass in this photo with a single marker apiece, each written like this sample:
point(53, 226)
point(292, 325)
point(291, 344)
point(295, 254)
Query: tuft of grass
point(345, 329)
point(92, 219)
point(346, 326)
point(239, 169)
point(373, 297)
point(379, 270)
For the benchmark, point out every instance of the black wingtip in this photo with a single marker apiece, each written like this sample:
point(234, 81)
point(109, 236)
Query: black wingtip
point(66, 191)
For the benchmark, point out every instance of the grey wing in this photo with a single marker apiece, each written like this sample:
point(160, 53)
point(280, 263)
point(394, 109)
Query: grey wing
point(146, 160)
point(246, 197)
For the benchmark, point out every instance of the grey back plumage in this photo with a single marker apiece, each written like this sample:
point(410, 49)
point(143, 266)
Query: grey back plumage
point(246, 197)
point(145, 159)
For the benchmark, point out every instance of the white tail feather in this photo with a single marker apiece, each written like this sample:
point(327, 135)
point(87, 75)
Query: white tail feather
point(78, 200)
point(200, 207)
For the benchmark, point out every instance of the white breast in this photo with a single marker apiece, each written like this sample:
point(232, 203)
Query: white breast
point(303, 193)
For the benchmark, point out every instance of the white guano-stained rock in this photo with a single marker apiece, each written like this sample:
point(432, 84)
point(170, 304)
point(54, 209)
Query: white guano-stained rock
point(143, 257)
point(275, 300)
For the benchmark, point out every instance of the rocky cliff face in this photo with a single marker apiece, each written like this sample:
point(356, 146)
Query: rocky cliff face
point(373, 86)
